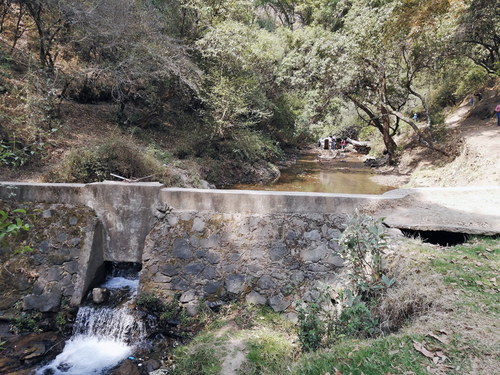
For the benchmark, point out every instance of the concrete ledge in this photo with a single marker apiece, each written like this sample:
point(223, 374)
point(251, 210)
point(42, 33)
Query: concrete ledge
point(248, 201)
point(130, 207)
point(43, 193)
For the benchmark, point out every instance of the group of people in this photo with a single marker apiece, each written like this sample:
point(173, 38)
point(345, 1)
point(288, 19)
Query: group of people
point(332, 143)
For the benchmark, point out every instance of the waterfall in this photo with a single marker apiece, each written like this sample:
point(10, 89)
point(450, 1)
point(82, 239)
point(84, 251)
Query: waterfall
point(102, 336)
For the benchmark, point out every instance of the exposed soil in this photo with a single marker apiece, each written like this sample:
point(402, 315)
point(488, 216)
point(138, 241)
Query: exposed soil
point(472, 142)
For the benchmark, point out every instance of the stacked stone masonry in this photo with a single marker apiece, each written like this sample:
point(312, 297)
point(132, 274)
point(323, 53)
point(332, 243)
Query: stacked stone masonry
point(271, 258)
point(47, 276)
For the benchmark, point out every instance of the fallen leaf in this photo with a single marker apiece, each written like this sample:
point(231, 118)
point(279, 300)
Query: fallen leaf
point(479, 282)
point(443, 339)
point(421, 348)
point(338, 372)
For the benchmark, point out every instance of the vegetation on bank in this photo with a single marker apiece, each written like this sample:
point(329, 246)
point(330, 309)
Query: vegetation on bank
point(223, 88)
point(440, 317)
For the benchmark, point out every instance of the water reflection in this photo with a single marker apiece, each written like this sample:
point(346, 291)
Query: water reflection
point(344, 175)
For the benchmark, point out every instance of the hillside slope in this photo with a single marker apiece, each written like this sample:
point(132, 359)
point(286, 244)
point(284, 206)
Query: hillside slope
point(471, 133)
point(472, 140)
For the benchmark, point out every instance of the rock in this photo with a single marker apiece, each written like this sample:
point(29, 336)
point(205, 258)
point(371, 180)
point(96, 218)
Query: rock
point(209, 273)
point(313, 235)
point(71, 267)
point(182, 249)
point(151, 365)
point(37, 350)
point(291, 317)
point(314, 255)
point(187, 296)
point(44, 246)
point(61, 237)
point(54, 274)
point(297, 277)
point(213, 257)
point(50, 302)
point(186, 216)
point(179, 284)
point(266, 282)
point(192, 308)
point(169, 270)
point(234, 283)
point(198, 225)
point(278, 304)
point(255, 298)
point(159, 278)
point(210, 242)
point(291, 235)
point(75, 242)
point(193, 268)
point(160, 372)
point(335, 260)
point(173, 220)
point(100, 295)
point(28, 350)
point(211, 288)
point(127, 367)
point(278, 252)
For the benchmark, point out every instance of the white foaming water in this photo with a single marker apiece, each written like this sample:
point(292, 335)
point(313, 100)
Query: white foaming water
point(86, 355)
point(102, 338)
point(121, 282)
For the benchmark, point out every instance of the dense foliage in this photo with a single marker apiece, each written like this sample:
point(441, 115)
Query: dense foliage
point(277, 72)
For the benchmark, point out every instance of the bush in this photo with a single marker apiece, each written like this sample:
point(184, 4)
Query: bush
point(363, 243)
point(118, 156)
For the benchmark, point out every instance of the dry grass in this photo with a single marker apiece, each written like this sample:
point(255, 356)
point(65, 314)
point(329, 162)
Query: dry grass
point(427, 300)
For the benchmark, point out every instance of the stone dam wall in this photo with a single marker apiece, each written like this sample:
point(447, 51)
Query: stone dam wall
point(266, 247)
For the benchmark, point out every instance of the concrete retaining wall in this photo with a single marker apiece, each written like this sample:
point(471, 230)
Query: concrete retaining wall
point(219, 243)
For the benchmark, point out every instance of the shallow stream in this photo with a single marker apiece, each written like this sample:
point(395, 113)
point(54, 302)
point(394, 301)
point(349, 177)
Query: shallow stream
point(346, 174)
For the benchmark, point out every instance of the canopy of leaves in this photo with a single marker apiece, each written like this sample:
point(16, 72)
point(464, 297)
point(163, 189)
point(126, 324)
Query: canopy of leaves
point(286, 69)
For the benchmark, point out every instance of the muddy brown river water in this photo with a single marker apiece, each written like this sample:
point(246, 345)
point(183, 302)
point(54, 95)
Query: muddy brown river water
point(346, 175)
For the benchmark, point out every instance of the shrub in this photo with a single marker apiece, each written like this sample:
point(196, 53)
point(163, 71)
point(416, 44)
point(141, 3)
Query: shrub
point(363, 243)
point(118, 156)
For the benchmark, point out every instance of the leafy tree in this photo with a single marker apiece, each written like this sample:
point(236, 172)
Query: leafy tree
point(240, 62)
point(479, 34)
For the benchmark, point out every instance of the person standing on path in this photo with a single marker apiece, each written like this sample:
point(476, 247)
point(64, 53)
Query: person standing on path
point(497, 110)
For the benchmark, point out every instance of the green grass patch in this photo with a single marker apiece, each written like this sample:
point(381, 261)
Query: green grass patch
point(387, 355)
point(473, 268)
point(269, 353)
point(200, 359)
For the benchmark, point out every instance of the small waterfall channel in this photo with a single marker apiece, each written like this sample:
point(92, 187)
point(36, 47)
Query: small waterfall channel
point(102, 336)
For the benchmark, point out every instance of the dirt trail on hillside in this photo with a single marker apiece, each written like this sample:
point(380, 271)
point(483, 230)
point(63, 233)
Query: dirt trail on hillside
point(473, 205)
point(481, 153)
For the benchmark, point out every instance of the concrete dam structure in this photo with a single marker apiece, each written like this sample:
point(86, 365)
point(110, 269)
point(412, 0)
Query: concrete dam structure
point(213, 244)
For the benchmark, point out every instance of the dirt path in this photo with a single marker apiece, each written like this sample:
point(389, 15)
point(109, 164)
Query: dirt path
point(479, 161)
point(472, 205)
